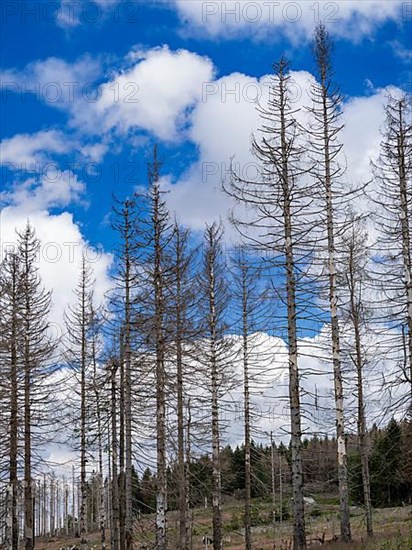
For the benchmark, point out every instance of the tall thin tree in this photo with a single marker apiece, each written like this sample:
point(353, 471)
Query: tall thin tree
point(354, 261)
point(215, 355)
point(393, 173)
point(10, 302)
point(276, 223)
point(79, 328)
point(36, 351)
point(325, 149)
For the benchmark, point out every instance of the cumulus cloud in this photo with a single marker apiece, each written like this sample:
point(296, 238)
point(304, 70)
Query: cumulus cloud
point(33, 180)
point(31, 149)
point(222, 126)
point(364, 118)
point(53, 189)
point(55, 81)
point(155, 94)
point(62, 246)
point(293, 20)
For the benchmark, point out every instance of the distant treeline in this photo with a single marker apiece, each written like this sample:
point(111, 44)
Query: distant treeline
point(390, 465)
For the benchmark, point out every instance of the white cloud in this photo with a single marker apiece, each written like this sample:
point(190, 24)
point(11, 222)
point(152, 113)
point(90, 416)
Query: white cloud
point(36, 181)
point(156, 94)
point(54, 81)
point(276, 20)
point(222, 126)
point(54, 189)
point(31, 174)
point(363, 117)
point(62, 245)
point(27, 150)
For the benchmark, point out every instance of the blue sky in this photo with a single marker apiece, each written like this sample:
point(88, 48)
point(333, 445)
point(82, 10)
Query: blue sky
point(193, 52)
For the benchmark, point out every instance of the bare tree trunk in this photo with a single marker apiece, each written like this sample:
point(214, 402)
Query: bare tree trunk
point(188, 478)
point(44, 505)
point(36, 349)
point(115, 488)
point(128, 383)
point(158, 227)
point(182, 296)
point(161, 499)
point(83, 413)
point(278, 203)
point(39, 508)
point(326, 116)
point(404, 147)
point(101, 503)
point(273, 476)
point(73, 503)
point(125, 225)
point(80, 323)
point(28, 490)
point(12, 306)
point(362, 443)
point(216, 475)
point(246, 399)
point(299, 536)
point(109, 484)
point(14, 409)
point(212, 243)
point(338, 384)
point(122, 480)
point(183, 539)
point(52, 508)
point(356, 251)
point(8, 511)
point(66, 509)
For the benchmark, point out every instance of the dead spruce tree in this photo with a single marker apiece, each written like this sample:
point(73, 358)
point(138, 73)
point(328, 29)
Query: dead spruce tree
point(79, 330)
point(10, 303)
point(275, 224)
point(183, 328)
point(26, 348)
point(215, 354)
point(355, 284)
point(36, 349)
point(112, 370)
point(160, 228)
point(393, 175)
point(97, 390)
point(122, 300)
point(154, 235)
point(247, 300)
point(325, 149)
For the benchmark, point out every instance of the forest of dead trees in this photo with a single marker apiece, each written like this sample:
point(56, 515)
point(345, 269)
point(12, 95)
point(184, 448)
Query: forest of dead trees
point(139, 386)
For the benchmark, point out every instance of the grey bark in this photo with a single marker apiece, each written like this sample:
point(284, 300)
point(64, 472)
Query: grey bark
point(278, 201)
point(114, 485)
point(326, 113)
point(354, 278)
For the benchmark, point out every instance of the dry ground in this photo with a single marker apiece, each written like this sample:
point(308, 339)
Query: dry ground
point(393, 530)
